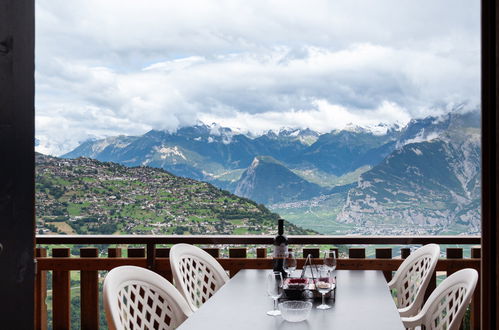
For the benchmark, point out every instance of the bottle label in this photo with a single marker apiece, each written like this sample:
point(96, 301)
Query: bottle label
point(280, 251)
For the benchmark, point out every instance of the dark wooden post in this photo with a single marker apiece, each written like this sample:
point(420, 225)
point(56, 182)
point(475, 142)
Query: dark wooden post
point(17, 165)
point(431, 286)
point(385, 253)
point(453, 253)
point(114, 253)
point(214, 252)
point(405, 252)
point(261, 253)
point(41, 294)
point(151, 254)
point(475, 302)
point(336, 252)
point(476, 252)
point(89, 292)
point(490, 167)
point(237, 253)
point(136, 252)
point(314, 252)
point(164, 253)
point(357, 253)
point(61, 297)
point(235, 267)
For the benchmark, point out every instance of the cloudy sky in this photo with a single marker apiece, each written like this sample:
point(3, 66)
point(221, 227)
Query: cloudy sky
point(110, 67)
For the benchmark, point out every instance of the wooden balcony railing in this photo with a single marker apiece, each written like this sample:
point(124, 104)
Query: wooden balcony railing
point(61, 263)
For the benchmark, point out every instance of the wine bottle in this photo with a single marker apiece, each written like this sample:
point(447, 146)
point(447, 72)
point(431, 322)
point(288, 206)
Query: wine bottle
point(280, 249)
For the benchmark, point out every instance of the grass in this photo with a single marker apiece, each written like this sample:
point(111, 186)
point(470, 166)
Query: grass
point(240, 231)
point(76, 209)
point(329, 180)
point(195, 219)
point(236, 222)
point(63, 227)
point(307, 219)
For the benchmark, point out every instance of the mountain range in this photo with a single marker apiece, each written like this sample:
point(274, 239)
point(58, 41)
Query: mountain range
point(213, 152)
point(338, 173)
point(433, 184)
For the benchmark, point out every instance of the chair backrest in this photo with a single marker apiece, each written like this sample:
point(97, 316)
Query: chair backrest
point(412, 278)
point(137, 298)
point(447, 304)
point(196, 274)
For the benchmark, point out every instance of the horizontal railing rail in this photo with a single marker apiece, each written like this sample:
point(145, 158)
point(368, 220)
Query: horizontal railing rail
point(236, 264)
point(252, 239)
point(88, 263)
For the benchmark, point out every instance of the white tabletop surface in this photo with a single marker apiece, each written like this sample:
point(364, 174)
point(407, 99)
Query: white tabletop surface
point(363, 301)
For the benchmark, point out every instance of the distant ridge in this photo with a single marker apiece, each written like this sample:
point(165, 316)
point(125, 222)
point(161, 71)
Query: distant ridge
point(267, 180)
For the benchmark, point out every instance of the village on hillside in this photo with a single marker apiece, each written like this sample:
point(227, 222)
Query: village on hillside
point(85, 196)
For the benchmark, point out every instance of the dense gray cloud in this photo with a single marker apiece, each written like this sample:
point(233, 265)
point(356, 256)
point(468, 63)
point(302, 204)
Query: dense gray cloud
point(123, 67)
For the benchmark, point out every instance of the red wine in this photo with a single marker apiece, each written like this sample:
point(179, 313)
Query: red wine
point(280, 248)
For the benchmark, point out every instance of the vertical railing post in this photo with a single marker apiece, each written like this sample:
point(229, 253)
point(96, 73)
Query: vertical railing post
point(385, 253)
point(151, 256)
point(314, 252)
point(336, 252)
point(61, 297)
point(453, 253)
point(41, 294)
point(114, 252)
point(165, 253)
point(214, 252)
point(475, 302)
point(357, 253)
point(405, 252)
point(89, 292)
point(236, 253)
point(136, 252)
point(432, 285)
point(261, 252)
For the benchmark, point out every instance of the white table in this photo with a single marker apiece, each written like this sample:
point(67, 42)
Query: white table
point(363, 301)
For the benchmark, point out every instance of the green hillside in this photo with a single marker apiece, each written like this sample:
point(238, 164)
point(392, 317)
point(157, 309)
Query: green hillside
point(85, 196)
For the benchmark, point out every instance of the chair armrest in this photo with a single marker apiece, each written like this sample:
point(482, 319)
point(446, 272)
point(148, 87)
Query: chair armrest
point(412, 322)
point(407, 311)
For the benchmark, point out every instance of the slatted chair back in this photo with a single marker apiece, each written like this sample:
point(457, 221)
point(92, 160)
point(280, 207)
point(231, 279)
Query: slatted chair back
point(137, 298)
point(196, 274)
point(446, 306)
point(412, 278)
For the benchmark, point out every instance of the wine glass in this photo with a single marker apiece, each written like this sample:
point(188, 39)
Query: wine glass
point(274, 290)
point(323, 284)
point(330, 261)
point(289, 263)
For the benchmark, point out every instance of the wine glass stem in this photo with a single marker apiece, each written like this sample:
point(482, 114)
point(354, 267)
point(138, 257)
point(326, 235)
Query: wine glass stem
point(323, 302)
point(275, 304)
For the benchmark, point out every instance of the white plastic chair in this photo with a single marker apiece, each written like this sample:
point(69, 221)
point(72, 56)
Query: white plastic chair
point(447, 304)
point(196, 274)
point(412, 278)
point(137, 298)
